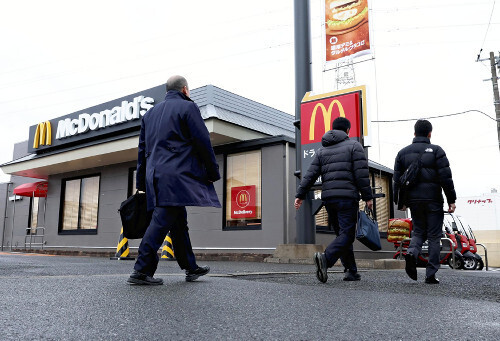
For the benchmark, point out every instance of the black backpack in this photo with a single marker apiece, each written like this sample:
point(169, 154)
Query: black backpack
point(407, 180)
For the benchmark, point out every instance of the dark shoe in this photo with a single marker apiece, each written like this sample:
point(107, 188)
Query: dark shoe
point(192, 275)
point(138, 278)
point(431, 280)
point(411, 266)
point(321, 268)
point(352, 276)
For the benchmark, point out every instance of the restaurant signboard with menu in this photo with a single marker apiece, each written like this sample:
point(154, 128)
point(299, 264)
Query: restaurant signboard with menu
point(346, 29)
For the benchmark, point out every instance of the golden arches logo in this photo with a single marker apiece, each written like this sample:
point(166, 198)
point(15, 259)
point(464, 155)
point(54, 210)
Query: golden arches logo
point(327, 116)
point(43, 134)
point(243, 199)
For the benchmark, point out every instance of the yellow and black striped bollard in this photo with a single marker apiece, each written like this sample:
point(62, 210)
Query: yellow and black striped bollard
point(167, 252)
point(122, 250)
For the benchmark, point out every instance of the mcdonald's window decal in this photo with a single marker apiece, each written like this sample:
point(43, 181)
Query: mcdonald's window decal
point(243, 203)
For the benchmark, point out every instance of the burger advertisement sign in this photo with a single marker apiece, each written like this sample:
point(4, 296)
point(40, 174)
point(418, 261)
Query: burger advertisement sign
point(346, 28)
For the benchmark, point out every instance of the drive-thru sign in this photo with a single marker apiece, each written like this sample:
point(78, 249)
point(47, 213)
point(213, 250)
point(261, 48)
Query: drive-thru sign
point(317, 113)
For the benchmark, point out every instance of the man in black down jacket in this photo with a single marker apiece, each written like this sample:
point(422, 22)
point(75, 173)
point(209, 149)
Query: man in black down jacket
point(343, 167)
point(425, 198)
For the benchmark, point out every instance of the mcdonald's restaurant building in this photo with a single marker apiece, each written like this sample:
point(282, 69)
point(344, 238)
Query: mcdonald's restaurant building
point(69, 178)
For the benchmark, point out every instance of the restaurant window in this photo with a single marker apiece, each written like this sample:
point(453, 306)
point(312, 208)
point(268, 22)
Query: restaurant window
point(34, 213)
point(243, 191)
point(321, 218)
point(132, 173)
point(382, 205)
point(80, 204)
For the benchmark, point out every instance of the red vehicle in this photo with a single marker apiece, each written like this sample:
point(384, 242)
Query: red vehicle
point(458, 242)
point(464, 229)
point(444, 257)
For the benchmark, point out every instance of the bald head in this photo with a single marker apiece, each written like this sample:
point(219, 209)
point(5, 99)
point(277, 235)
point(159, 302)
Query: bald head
point(176, 83)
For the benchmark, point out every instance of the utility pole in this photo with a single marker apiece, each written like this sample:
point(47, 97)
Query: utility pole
point(306, 233)
point(494, 79)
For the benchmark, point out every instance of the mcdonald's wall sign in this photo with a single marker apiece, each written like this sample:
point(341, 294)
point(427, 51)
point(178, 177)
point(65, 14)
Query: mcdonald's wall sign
point(243, 202)
point(317, 113)
point(95, 124)
point(43, 135)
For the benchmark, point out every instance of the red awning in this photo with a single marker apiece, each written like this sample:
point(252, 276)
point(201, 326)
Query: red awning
point(34, 189)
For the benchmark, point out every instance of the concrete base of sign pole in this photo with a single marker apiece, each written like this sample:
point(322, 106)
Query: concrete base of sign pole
point(295, 253)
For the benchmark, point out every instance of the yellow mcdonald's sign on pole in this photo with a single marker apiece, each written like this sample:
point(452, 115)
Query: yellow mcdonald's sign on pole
point(43, 135)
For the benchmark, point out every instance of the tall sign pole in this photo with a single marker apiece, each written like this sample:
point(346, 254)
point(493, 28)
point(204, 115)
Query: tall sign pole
point(303, 83)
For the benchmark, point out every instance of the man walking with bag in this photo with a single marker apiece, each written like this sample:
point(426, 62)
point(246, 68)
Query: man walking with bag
point(176, 167)
point(425, 198)
point(343, 167)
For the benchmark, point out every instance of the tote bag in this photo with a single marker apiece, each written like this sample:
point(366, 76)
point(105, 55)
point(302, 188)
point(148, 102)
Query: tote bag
point(367, 230)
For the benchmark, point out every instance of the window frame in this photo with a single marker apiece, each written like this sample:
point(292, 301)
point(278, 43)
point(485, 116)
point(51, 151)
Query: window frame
point(131, 176)
point(32, 229)
point(30, 219)
point(225, 194)
point(372, 174)
point(78, 231)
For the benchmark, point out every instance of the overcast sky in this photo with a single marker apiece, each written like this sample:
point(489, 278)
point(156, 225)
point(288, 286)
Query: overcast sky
point(62, 56)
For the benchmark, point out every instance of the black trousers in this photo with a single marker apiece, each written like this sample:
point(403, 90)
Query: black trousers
point(343, 217)
point(171, 219)
point(427, 218)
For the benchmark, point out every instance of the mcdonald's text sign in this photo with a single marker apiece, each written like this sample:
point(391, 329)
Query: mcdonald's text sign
point(243, 202)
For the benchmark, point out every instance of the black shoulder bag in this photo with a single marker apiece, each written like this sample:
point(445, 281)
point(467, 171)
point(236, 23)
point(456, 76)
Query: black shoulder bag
point(135, 216)
point(408, 179)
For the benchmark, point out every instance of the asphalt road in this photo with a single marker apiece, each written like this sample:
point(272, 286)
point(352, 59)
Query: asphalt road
point(84, 298)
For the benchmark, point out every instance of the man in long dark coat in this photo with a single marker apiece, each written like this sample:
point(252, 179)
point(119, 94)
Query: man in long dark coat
point(176, 167)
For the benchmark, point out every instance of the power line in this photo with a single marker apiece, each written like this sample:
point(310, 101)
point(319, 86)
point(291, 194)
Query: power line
point(164, 37)
point(487, 29)
point(439, 116)
point(216, 58)
point(426, 6)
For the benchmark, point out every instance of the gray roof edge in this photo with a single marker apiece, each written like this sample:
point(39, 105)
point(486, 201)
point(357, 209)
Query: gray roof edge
point(380, 167)
point(211, 92)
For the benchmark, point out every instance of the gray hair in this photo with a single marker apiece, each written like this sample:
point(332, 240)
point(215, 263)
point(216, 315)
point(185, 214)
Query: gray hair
point(176, 83)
